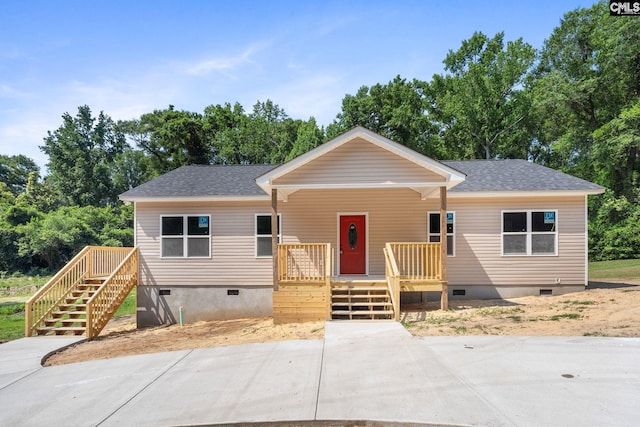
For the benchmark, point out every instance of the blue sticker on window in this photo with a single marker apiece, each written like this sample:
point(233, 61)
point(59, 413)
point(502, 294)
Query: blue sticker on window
point(203, 221)
point(449, 218)
point(549, 217)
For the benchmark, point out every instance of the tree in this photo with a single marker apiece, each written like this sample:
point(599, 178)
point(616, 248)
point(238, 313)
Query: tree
point(226, 126)
point(15, 170)
point(269, 134)
point(171, 139)
point(589, 72)
point(479, 106)
point(395, 110)
point(308, 137)
point(81, 154)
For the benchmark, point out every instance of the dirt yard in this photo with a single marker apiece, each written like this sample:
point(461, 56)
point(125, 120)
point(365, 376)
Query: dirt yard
point(611, 309)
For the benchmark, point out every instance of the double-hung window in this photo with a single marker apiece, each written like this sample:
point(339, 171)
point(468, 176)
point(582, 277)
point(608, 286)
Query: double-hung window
point(185, 236)
point(263, 235)
point(530, 233)
point(433, 230)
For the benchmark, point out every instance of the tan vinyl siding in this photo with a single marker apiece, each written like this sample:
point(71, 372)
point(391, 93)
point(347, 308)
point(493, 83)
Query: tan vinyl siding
point(479, 259)
point(233, 261)
point(399, 215)
point(358, 161)
point(396, 215)
point(311, 216)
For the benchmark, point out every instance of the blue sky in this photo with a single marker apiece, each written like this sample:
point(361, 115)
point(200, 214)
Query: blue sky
point(127, 58)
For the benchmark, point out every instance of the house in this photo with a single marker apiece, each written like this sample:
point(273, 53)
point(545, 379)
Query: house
point(349, 228)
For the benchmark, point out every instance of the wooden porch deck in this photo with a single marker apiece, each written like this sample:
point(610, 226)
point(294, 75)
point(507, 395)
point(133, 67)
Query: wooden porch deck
point(307, 290)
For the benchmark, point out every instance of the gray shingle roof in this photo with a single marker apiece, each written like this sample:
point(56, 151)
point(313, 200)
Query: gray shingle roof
point(203, 181)
point(515, 175)
point(239, 180)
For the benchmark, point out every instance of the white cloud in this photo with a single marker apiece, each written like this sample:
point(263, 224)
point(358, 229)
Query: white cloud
point(225, 64)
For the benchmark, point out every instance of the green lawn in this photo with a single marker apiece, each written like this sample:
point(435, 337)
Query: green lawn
point(620, 269)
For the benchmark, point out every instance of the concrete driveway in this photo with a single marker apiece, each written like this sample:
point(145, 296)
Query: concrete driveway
point(360, 371)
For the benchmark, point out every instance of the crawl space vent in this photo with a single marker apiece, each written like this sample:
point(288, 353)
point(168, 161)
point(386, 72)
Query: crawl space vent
point(233, 291)
point(165, 292)
point(546, 292)
point(459, 292)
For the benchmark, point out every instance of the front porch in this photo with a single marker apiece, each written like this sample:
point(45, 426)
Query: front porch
point(308, 287)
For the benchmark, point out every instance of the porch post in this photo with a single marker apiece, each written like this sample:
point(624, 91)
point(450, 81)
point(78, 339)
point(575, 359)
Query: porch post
point(274, 236)
point(444, 296)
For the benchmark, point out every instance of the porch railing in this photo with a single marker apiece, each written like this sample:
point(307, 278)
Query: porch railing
point(417, 261)
point(304, 262)
point(91, 262)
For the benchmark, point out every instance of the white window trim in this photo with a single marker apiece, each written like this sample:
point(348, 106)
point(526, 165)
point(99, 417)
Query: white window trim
point(453, 235)
point(529, 232)
point(255, 233)
point(185, 236)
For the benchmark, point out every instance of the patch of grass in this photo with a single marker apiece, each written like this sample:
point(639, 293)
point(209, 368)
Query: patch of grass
point(460, 329)
point(128, 305)
point(23, 281)
point(579, 302)
point(498, 311)
point(594, 334)
point(565, 316)
point(440, 320)
point(619, 269)
point(11, 320)
point(515, 318)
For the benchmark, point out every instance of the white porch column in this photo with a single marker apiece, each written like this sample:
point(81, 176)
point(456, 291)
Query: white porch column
point(274, 237)
point(444, 296)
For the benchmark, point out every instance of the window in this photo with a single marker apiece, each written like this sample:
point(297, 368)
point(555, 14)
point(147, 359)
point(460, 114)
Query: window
point(530, 233)
point(263, 235)
point(185, 236)
point(433, 230)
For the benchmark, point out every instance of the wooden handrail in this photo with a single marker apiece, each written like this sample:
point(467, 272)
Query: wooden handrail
point(92, 261)
point(104, 303)
point(393, 280)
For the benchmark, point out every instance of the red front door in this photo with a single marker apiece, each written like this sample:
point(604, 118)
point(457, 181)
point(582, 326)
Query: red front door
point(353, 245)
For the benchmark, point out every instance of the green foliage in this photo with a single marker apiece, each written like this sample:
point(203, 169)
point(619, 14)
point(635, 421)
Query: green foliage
point(15, 170)
point(396, 110)
point(81, 156)
point(479, 105)
point(614, 233)
point(56, 237)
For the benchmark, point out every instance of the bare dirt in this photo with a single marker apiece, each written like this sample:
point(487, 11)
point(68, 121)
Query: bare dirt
point(607, 309)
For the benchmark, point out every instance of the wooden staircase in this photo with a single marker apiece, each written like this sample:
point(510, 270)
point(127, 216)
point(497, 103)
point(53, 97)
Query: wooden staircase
point(363, 300)
point(70, 315)
point(84, 295)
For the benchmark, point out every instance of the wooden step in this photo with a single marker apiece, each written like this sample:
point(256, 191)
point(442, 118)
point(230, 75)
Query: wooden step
point(359, 288)
point(362, 313)
point(66, 322)
point(361, 304)
point(70, 313)
point(358, 296)
point(61, 330)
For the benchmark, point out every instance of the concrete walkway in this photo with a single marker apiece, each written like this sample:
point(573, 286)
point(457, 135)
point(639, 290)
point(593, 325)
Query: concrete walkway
point(360, 371)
